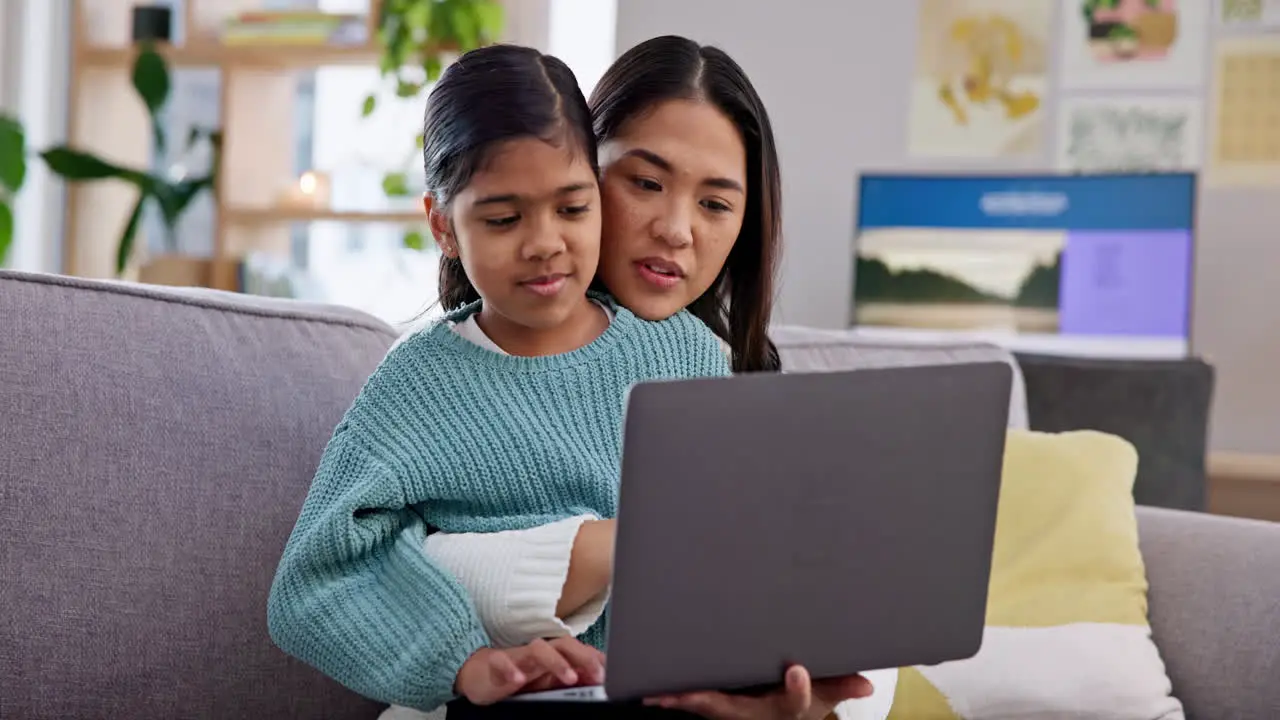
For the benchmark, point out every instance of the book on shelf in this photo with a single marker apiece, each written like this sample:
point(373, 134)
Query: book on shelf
point(295, 28)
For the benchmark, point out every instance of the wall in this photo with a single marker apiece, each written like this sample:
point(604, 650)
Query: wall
point(11, 48)
point(8, 63)
point(835, 77)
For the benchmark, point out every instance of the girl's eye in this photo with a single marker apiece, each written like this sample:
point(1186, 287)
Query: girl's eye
point(575, 210)
point(501, 221)
point(716, 206)
point(647, 184)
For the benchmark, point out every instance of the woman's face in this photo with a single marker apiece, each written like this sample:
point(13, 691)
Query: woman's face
point(674, 191)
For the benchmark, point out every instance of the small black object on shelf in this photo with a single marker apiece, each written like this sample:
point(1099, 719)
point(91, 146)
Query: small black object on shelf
point(152, 23)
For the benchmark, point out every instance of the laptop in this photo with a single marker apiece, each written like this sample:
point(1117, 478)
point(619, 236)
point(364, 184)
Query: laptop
point(840, 520)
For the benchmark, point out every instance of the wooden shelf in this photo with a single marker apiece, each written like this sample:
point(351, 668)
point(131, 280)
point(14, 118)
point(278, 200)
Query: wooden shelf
point(1244, 485)
point(256, 109)
point(278, 56)
point(1245, 466)
point(276, 216)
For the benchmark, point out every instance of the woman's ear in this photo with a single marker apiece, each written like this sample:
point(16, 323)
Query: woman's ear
point(441, 228)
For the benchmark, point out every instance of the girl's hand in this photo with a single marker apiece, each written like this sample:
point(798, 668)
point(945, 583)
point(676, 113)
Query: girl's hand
point(490, 674)
point(799, 699)
point(590, 566)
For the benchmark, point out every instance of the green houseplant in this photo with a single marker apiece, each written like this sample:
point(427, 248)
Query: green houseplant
point(171, 195)
point(13, 171)
point(416, 39)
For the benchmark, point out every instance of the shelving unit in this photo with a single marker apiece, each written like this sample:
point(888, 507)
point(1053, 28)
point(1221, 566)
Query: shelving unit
point(275, 216)
point(256, 110)
point(281, 57)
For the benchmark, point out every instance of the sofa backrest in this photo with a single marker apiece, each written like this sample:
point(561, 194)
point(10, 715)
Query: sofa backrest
point(157, 446)
point(804, 349)
point(1214, 603)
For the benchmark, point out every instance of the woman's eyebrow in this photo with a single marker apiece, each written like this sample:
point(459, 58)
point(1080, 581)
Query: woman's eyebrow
point(663, 164)
point(650, 157)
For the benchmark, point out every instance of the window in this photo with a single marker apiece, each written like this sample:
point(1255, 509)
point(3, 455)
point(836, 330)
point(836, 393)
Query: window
point(35, 52)
point(359, 264)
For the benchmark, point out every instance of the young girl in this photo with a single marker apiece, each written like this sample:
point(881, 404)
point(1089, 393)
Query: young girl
point(507, 415)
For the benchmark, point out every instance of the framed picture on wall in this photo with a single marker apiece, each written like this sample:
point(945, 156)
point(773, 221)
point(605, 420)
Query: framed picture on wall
point(1135, 44)
point(1130, 134)
point(981, 76)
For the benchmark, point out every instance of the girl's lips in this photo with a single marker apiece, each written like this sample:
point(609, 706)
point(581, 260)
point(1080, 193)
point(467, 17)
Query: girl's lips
point(660, 273)
point(546, 285)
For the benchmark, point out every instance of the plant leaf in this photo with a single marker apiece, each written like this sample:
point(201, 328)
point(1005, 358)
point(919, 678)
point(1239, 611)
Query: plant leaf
point(151, 80)
point(79, 166)
point(174, 198)
point(415, 240)
point(433, 67)
point(76, 166)
point(466, 27)
point(491, 18)
point(125, 249)
point(370, 104)
point(6, 231)
point(406, 89)
point(395, 184)
point(170, 198)
point(193, 136)
point(396, 43)
point(418, 16)
point(187, 190)
point(13, 155)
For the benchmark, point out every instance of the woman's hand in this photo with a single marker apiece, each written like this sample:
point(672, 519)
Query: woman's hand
point(800, 698)
point(490, 674)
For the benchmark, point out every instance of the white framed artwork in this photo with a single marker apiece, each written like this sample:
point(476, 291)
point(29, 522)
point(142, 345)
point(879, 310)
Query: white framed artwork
point(1135, 44)
point(1142, 134)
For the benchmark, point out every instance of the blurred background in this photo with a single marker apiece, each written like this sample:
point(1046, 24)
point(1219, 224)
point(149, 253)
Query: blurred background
point(311, 109)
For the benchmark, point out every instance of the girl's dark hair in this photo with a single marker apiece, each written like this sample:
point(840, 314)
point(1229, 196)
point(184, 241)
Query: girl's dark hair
point(486, 97)
point(739, 303)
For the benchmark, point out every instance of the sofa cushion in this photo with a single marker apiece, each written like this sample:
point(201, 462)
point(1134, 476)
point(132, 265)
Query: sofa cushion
point(157, 448)
point(814, 350)
point(1067, 633)
point(1161, 406)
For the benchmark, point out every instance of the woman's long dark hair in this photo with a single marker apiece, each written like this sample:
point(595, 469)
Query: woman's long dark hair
point(489, 96)
point(738, 305)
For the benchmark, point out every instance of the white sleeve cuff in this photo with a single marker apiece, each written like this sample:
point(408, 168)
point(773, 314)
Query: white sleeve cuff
point(876, 706)
point(515, 579)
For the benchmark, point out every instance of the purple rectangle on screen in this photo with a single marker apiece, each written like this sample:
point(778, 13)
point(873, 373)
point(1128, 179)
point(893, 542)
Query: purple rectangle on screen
point(1126, 283)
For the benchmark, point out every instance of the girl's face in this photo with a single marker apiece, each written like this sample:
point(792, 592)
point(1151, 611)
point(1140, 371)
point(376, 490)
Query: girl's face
point(675, 190)
point(527, 229)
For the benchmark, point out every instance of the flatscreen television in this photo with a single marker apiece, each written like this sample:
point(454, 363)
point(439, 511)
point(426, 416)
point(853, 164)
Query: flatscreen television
point(1095, 265)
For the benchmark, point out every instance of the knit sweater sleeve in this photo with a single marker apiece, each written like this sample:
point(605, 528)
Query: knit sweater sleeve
point(356, 597)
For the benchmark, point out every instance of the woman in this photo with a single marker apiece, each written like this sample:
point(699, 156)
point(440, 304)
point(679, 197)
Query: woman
point(691, 193)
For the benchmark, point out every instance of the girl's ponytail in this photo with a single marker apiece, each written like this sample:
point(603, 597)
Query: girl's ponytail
point(455, 288)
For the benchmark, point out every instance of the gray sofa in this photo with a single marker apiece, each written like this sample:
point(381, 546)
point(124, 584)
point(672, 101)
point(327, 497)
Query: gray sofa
point(157, 446)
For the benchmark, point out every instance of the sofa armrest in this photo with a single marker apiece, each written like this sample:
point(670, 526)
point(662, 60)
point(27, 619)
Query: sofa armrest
point(1215, 609)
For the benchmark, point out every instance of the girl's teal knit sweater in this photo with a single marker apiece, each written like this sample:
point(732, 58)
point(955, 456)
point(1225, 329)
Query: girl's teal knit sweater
point(448, 435)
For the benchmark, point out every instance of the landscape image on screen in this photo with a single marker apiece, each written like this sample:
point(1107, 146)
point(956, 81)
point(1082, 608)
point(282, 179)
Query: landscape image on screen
point(959, 279)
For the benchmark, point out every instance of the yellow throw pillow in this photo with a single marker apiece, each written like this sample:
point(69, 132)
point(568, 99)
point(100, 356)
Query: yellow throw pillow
point(1067, 633)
